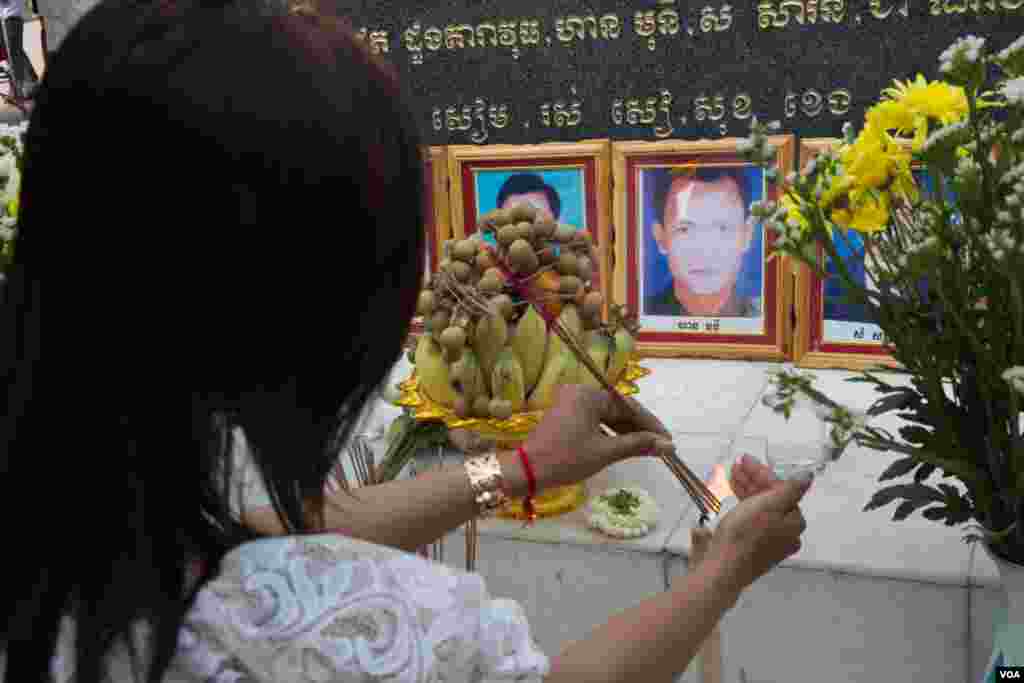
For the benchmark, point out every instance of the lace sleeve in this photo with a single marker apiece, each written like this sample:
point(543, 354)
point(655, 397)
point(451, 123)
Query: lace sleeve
point(326, 608)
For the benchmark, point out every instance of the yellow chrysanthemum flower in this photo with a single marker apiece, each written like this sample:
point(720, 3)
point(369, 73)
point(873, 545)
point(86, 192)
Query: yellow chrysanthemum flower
point(866, 212)
point(904, 185)
point(874, 158)
point(891, 115)
point(840, 188)
point(937, 100)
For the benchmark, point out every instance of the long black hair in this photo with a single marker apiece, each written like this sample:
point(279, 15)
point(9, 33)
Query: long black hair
point(223, 203)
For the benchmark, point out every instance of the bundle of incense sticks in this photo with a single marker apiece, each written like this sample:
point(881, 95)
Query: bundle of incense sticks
point(703, 497)
point(705, 500)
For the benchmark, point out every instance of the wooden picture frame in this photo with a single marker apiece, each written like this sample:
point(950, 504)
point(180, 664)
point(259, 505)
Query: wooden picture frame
point(437, 210)
point(577, 172)
point(811, 346)
point(752, 307)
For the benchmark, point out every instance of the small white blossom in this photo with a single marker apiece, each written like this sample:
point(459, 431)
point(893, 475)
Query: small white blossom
point(1002, 242)
point(1011, 50)
point(967, 49)
point(1012, 200)
point(6, 233)
point(1013, 90)
point(1015, 376)
point(1014, 174)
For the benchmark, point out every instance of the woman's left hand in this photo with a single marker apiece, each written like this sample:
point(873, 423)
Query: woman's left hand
point(568, 447)
point(750, 477)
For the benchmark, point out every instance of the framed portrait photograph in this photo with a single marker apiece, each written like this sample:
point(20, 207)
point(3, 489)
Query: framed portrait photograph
point(690, 260)
point(567, 182)
point(831, 331)
point(437, 211)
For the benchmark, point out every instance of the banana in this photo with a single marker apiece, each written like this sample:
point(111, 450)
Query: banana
point(507, 380)
point(556, 371)
point(469, 375)
point(434, 374)
point(623, 346)
point(489, 338)
point(599, 348)
point(530, 344)
point(570, 319)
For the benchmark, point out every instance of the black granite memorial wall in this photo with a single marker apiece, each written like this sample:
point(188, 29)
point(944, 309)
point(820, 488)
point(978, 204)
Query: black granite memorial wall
point(522, 72)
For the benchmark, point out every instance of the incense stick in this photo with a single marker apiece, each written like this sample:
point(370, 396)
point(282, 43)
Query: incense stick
point(699, 492)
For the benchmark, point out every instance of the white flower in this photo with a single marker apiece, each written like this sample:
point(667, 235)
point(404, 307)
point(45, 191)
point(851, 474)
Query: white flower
point(967, 49)
point(1015, 376)
point(6, 233)
point(1012, 200)
point(1014, 174)
point(1013, 90)
point(1001, 242)
point(1011, 50)
point(610, 520)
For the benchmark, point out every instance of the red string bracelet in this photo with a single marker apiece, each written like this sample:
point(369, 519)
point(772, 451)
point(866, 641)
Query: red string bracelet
point(531, 486)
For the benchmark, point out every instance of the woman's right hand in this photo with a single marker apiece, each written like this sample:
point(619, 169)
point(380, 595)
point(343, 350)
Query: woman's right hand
point(762, 531)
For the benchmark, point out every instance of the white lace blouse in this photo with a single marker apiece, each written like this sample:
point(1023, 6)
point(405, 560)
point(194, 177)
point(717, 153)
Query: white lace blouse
point(328, 608)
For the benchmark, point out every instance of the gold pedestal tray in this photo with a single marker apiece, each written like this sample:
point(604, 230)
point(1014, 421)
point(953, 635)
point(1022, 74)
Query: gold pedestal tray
point(510, 434)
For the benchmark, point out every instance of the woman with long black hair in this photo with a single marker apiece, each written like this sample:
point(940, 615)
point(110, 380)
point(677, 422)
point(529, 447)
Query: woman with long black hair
point(221, 202)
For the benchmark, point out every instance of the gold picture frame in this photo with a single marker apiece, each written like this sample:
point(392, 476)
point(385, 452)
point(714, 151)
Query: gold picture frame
point(757, 326)
point(587, 189)
point(437, 212)
point(811, 349)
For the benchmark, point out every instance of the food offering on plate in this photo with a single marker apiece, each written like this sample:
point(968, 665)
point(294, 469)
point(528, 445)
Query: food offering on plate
point(627, 512)
point(487, 351)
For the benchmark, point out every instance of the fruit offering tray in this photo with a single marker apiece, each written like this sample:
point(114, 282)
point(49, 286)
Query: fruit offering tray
point(509, 430)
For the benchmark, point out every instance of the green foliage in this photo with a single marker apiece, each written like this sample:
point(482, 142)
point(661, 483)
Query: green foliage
point(948, 291)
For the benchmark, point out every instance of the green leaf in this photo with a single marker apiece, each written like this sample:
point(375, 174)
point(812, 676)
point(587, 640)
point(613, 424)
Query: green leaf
point(904, 509)
point(924, 471)
point(895, 401)
point(914, 492)
point(915, 434)
point(935, 514)
point(899, 468)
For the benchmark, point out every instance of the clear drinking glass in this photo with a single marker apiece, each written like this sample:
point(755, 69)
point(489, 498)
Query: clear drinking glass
point(805, 447)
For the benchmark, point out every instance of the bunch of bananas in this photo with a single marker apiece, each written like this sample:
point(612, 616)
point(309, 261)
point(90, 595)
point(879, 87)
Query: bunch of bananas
point(487, 351)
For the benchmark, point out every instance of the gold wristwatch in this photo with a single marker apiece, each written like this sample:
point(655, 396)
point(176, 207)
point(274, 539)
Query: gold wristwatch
point(484, 472)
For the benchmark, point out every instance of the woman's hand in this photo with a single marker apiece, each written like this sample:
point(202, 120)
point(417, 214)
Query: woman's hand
point(760, 533)
point(750, 477)
point(567, 446)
